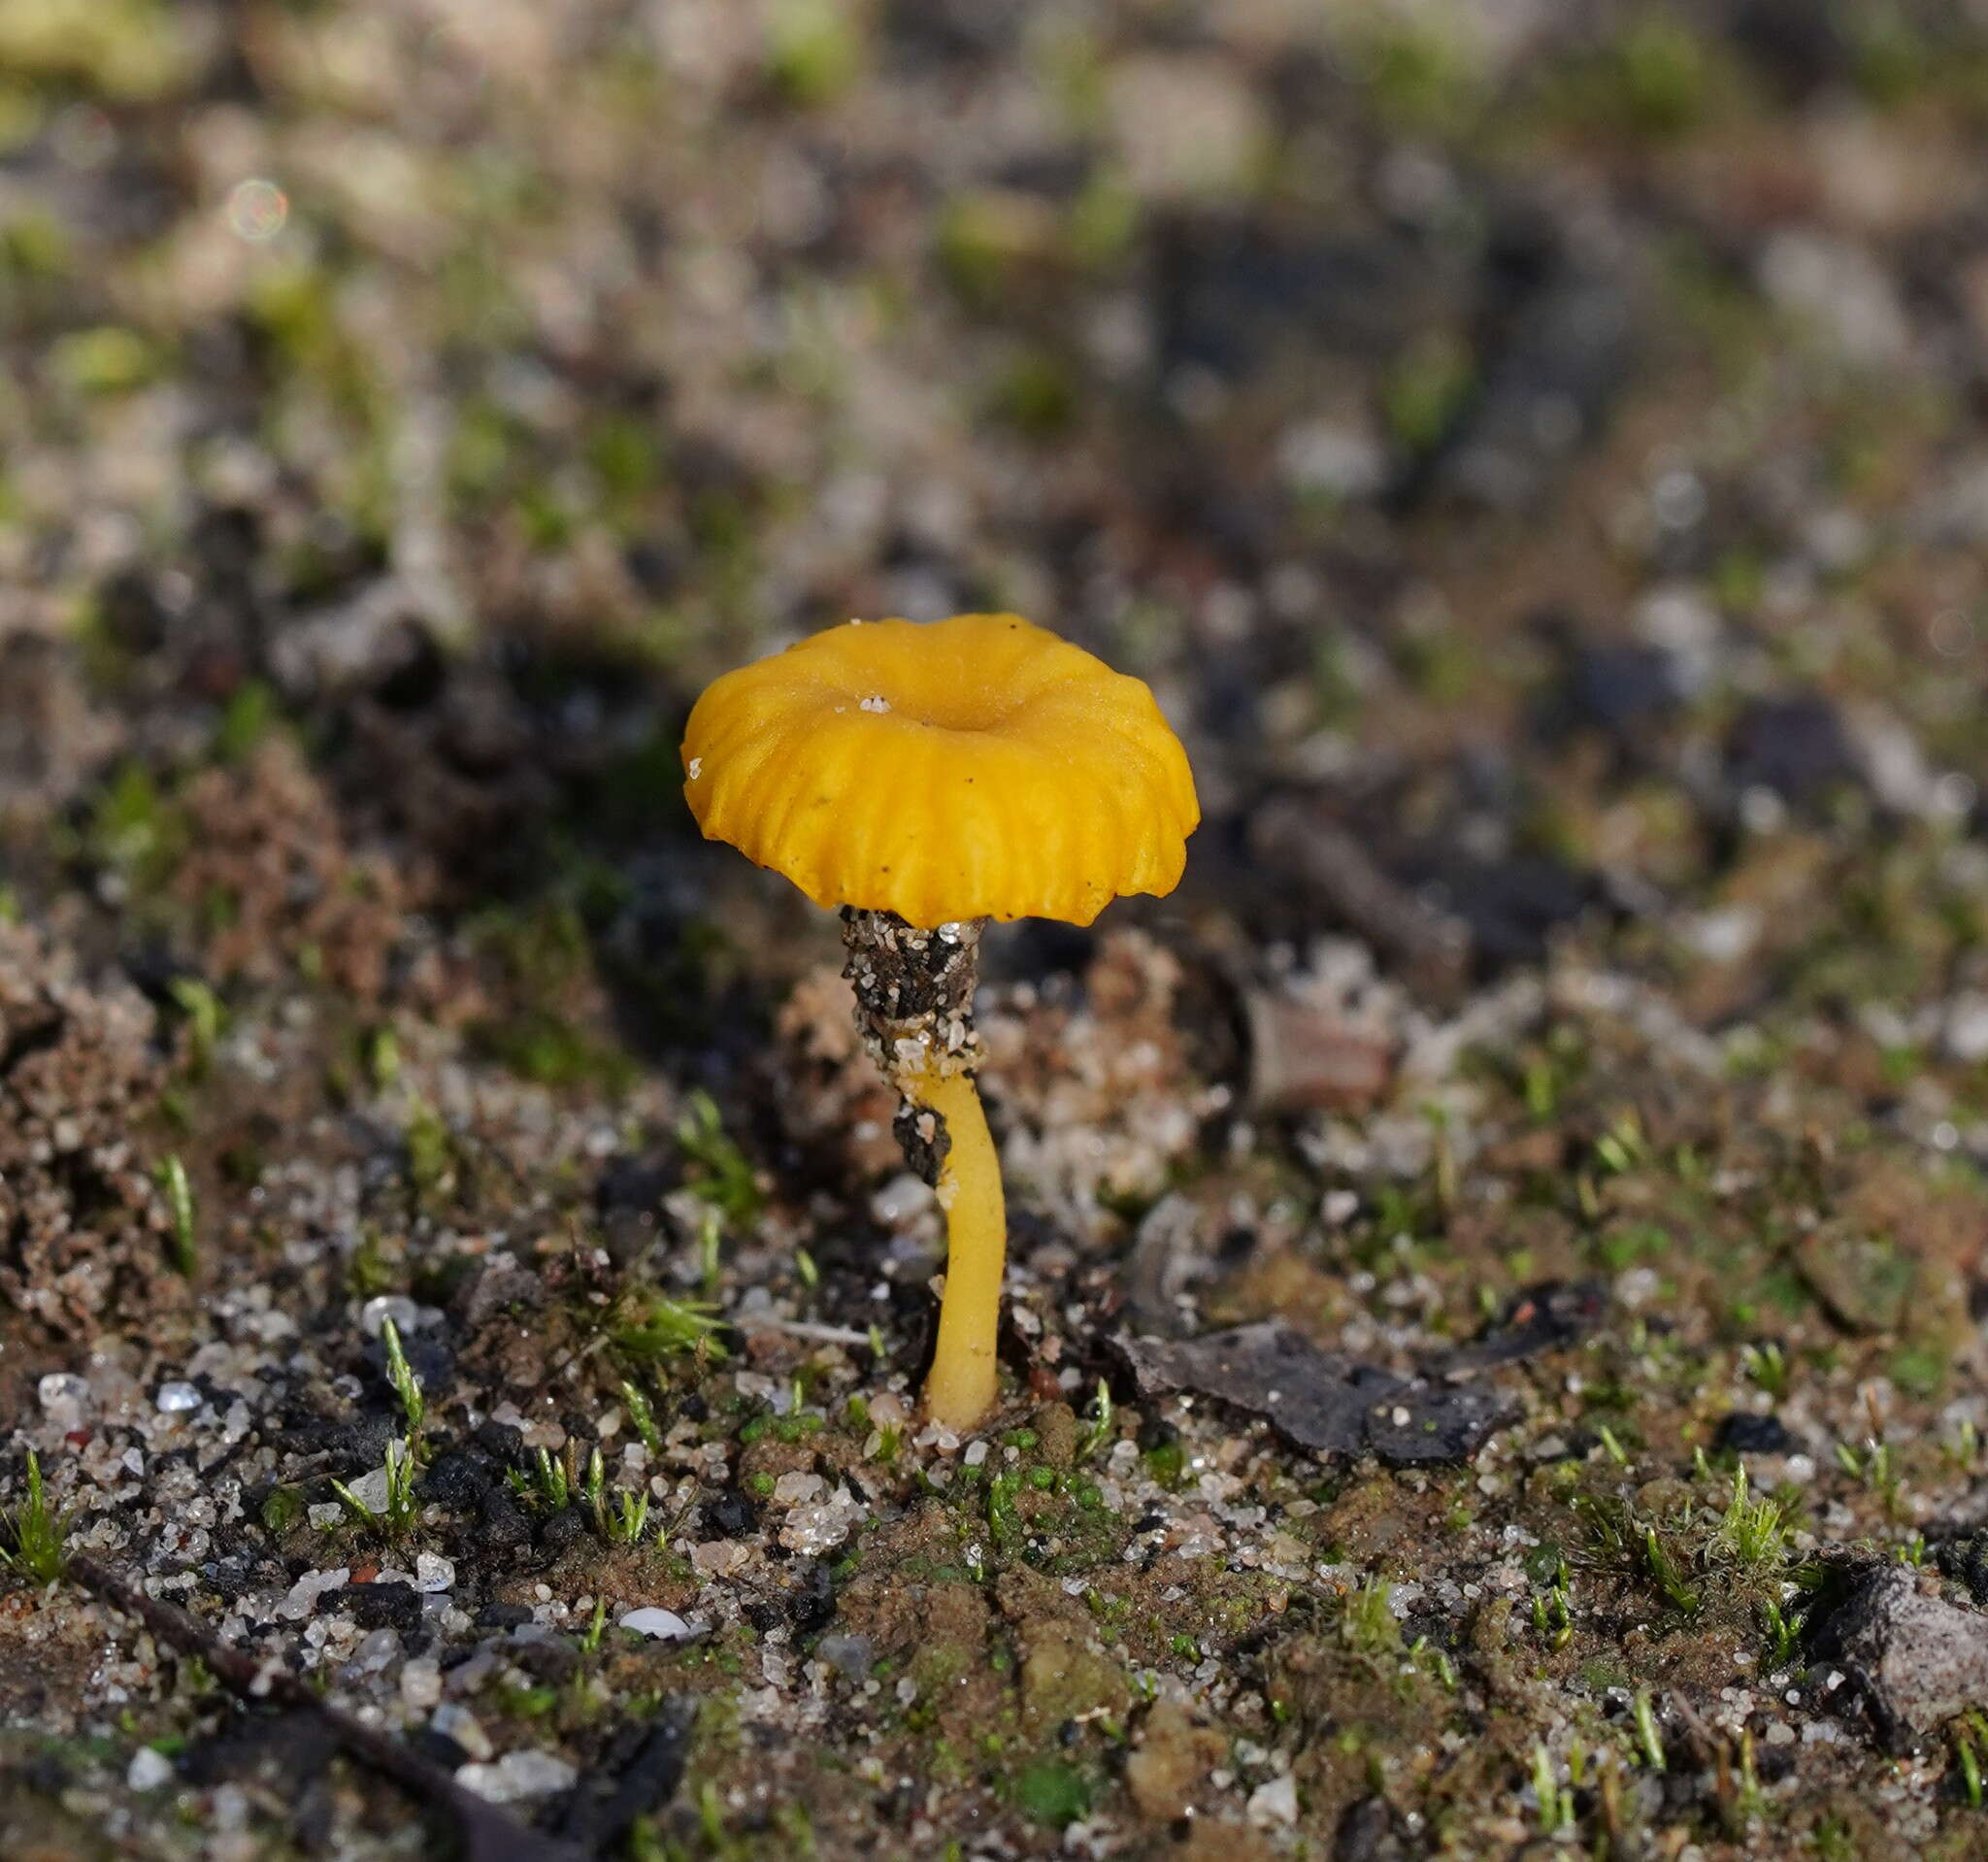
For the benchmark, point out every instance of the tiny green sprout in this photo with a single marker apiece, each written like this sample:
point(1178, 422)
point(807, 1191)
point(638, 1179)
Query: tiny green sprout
point(724, 1176)
point(545, 1487)
point(406, 1384)
point(1551, 1617)
point(383, 1057)
point(431, 1154)
point(32, 1534)
point(1437, 1660)
point(1783, 1632)
point(597, 1624)
point(643, 1416)
point(709, 1266)
point(1667, 1575)
point(1622, 1146)
point(1767, 1364)
point(1649, 1740)
point(876, 1343)
point(804, 1265)
point(179, 1194)
point(1970, 1770)
point(1617, 1454)
point(1914, 1551)
point(1556, 1806)
point(397, 1516)
point(653, 1328)
point(1753, 1531)
point(204, 1014)
point(1100, 1430)
point(1369, 1624)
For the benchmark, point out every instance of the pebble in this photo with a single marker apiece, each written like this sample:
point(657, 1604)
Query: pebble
point(397, 1306)
point(665, 1624)
point(516, 1775)
point(149, 1770)
point(420, 1687)
point(850, 1656)
point(1276, 1802)
point(177, 1399)
point(369, 1490)
point(63, 1394)
point(306, 1591)
point(434, 1573)
point(462, 1726)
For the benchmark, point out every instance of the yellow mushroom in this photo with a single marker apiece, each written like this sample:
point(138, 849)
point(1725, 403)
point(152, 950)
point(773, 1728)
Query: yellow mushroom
point(926, 778)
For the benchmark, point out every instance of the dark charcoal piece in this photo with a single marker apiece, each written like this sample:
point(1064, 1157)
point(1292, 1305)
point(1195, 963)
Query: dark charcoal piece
point(503, 1616)
point(1323, 1401)
point(1619, 690)
point(395, 1607)
point(811, 1606)
point(553, 1661)
point(505, 1526)
point(1542, 1319)
point(292, 1745)
point(458, 1480)
point(730, 1514)
point(1965, 1560)
point(562, 1529)
point(1367, 1833)
point(632, 1782)
point(1333, 1404)
point(1546, 394)
point(1795, 747)
point(503, 1440)
point(1745, 1433)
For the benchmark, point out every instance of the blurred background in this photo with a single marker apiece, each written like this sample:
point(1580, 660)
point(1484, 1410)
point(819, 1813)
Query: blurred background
point(1534, 451)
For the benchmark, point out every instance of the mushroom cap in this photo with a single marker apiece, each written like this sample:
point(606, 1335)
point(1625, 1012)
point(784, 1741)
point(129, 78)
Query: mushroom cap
point(977, 767)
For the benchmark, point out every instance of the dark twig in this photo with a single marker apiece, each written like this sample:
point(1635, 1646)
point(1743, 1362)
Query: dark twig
point(488, 1833)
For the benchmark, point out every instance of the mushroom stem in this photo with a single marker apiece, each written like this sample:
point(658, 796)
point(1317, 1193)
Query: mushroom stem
point(964, 1381)
point(914, 1005)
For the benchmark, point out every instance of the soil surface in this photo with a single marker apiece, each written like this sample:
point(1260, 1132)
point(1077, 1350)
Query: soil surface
point(1494, 1361)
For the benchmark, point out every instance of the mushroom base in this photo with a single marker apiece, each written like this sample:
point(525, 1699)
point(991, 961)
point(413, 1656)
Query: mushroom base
point(915, 1005)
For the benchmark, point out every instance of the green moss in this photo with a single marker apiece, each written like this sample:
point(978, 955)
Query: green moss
point(1053, 1792)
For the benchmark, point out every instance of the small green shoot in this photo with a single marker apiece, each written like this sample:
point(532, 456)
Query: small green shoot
point(1754, 1531)
point(1667, 1575)
point(204, 1019)
point(1556, 1806)
point(642, 1416)
point(179, 1194)
point(655, 1328)
point(597, 1624)
point(1369, 1624)
point(547, 1488)
point(397, 1516)
point(1783, 1633)
point(32, 1534)
point(1768, 1367)
point(722, 1173)
point(406, 1384)
point(1551, 1617)
point(1649, 1742)
point(804, 1265)
point(1617, 1453)
point(1969, 1734)
point(621, 1522)
point(1099, 1430)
